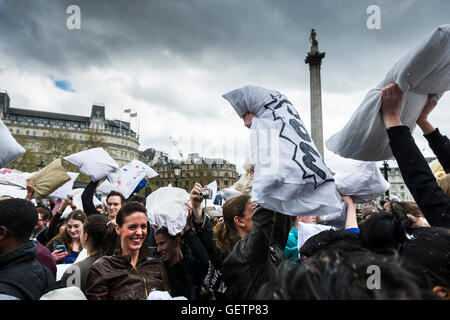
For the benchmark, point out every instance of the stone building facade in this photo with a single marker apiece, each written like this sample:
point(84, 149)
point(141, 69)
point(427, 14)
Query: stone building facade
point(48, 135)
point(195, 169)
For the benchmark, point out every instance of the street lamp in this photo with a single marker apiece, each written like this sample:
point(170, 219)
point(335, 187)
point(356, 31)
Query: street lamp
point(386, 169)
point(41, 165)
point(177, 172)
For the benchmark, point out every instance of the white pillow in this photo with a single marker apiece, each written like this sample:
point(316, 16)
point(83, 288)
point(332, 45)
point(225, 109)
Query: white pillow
point(14, 177)
point(96, 163)
point(12, 191)
point(166, 208)
point(249, 99)
point(424, 70)
point(66, 189)
point(227, 193)
point(130, 176)
point(10, 149)
point(362, 181)
point(284, 179)
point(307, 230)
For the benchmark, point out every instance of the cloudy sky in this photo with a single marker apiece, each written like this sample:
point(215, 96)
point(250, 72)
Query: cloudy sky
point(171, 60)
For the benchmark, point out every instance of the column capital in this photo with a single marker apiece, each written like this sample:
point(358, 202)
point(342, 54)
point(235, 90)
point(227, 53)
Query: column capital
point(314, 59)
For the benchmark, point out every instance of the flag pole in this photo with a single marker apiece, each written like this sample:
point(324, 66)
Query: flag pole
point(120, 122)
point(138, 126)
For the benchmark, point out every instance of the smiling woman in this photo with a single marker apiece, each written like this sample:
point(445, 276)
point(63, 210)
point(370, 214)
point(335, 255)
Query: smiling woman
point(66, 246)
point(132, 272)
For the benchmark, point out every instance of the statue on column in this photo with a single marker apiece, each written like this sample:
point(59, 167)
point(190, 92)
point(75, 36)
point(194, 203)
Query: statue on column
point(313, 40)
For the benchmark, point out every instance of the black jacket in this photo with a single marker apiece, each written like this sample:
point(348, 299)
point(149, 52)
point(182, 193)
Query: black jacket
point(86, 198)
point(431, 199)
point(186, 276)
point(22, 276)
point(248, 263)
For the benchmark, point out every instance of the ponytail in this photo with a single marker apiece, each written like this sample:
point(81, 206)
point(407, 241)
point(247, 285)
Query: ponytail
point(109, 240)
point(102, 234)
point(222, 234)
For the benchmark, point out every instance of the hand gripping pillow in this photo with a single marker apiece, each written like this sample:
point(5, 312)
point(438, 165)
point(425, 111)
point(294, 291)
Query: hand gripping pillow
point(9, 148)
point(49, 179)
point(289, 174)
point(424, 70)
point(166, 208)
point(96, 163)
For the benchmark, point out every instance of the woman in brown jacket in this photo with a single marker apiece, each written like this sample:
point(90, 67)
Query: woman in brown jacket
point(132, 272)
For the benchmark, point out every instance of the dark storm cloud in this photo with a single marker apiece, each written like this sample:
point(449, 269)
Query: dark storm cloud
point(260, 42)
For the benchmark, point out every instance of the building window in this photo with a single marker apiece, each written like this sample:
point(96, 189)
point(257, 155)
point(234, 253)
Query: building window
point(17, 131)
point(81, 138)
point(28, 132)
point(34, 133)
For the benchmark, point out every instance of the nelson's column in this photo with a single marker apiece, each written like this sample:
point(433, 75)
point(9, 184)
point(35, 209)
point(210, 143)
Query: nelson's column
point(314, 59)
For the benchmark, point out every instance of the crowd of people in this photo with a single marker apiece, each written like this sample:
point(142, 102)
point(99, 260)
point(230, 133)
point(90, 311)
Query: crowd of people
point(250, 252)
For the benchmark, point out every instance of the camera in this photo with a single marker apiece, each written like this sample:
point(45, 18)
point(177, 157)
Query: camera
point(206, 193)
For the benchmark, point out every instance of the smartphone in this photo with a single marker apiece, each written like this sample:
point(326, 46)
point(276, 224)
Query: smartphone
point(62, 247)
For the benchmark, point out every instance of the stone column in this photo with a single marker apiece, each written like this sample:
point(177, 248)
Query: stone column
point(314, 59)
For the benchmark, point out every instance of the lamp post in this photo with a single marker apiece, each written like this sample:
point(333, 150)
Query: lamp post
point(386, 169)
point(177, 172)
point(41, 165)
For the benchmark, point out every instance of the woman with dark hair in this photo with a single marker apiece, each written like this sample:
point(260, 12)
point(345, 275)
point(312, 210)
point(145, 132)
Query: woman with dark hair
point(245, 235)
point(185, 272)
point(99, 238)
point(132, 272)
point(66, 246)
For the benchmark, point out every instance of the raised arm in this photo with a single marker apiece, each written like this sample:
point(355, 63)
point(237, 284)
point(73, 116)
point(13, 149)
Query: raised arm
point(416, 173)
point(351, 223)
point(86, 198)
point(204, 228)
point(438, 143)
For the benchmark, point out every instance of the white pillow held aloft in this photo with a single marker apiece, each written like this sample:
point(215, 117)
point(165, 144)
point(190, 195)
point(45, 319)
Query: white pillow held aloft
point(130, 176)
point(166, 208)
point(424, 70)
point(96, 163)
point(289, 173)
point(66, 189)
point(362, 181)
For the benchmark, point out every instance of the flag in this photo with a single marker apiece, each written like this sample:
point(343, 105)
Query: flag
point(127, 110)
point(133, 115)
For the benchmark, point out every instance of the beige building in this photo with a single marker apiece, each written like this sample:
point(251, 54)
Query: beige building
point(398, 187)
point(195, 169)
point(48, 135)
